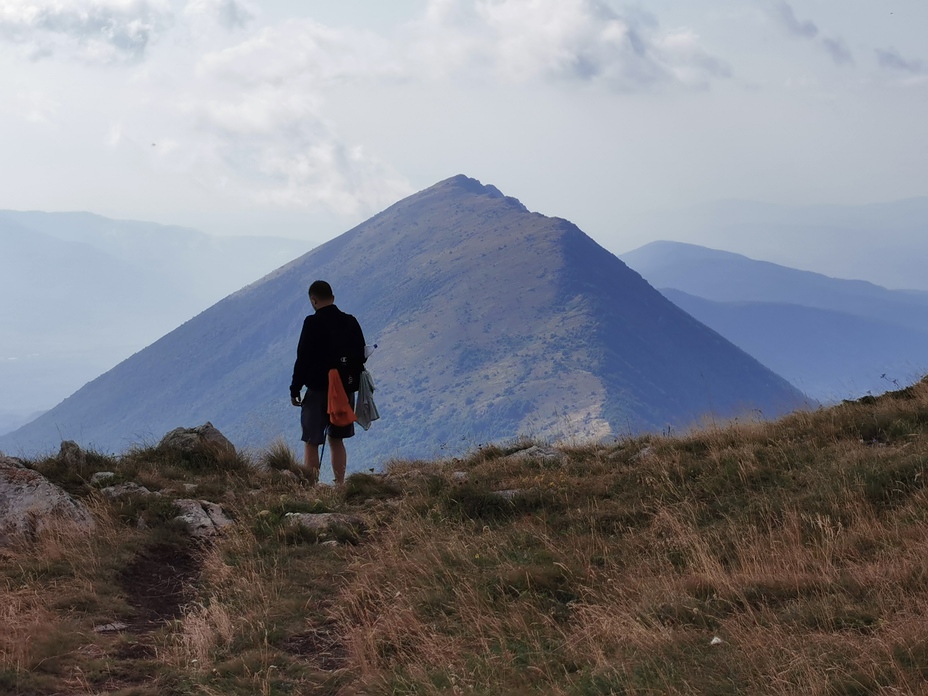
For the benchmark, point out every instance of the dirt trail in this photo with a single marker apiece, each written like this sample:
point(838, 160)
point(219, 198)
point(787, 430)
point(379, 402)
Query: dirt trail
point(159, 581)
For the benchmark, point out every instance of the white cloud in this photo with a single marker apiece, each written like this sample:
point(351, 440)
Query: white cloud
point(838, 50)
point(787, 16)
point(254, 113)
point(834, 46)
point(305, 52)
point(272, 146)
point(242, 109)
point(560, 40)
point(30, 105)
point(93, 31)
point(228, 14)
point(892, 60)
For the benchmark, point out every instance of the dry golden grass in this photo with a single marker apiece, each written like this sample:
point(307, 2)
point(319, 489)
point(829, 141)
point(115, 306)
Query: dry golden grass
point(752, 558)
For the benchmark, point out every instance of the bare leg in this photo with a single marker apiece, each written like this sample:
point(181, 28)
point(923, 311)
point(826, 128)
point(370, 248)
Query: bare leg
point(339, 459)
point(311, 461)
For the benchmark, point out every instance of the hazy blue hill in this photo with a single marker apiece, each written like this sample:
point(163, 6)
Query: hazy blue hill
point(68, 285)
point(208, 266)
point(63, 324)
point(80, 293)
point(829, 355)
point(726, 277)
point(832, 338)
point(881, 242)
point(492, 322)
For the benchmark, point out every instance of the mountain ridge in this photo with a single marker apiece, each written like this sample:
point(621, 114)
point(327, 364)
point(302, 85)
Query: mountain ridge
point(492, 322)
point(832, 239)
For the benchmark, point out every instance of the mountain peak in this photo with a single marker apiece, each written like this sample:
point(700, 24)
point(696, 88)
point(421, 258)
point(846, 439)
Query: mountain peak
point(461, 183)
point(492, 322)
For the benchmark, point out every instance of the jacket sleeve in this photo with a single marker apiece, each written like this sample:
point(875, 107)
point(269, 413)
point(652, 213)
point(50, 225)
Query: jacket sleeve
point(302, 355)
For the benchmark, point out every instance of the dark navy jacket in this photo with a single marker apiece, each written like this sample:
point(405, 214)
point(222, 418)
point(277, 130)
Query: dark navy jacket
point(330, 338)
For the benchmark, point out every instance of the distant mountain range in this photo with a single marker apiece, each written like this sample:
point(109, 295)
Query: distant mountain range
point(80, 292)
point(831, 338)
point(885, 243)
point(492, 322)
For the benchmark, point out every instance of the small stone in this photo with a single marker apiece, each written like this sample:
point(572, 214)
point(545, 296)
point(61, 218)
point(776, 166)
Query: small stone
point(101, 476)
point(716, 641)
point(203, 518)
point(124, 489)
point(509, 494)
point(114, 627)
point(459, 476)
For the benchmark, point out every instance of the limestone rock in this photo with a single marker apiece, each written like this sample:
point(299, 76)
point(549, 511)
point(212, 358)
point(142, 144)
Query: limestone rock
point(71, 452)
point(101, 476)
point(31, 504)
point(11, 462)
point(543, 453)
point(203, 518)
point(326, 521)
point(190, 439)
point(123, 489)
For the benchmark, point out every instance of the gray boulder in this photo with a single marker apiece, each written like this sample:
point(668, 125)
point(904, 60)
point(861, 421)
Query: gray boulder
point(191, 439)
point(31, 504)
point(203, 518)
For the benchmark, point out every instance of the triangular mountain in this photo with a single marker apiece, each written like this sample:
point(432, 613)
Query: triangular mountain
point(491, 321)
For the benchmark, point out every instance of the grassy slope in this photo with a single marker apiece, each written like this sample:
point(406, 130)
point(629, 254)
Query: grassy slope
point(800, 544)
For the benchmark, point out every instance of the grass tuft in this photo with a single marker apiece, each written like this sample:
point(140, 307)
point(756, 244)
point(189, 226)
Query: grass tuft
point(278, 456)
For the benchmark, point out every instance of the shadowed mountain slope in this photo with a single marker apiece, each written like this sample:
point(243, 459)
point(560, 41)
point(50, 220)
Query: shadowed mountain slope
point(492, 322)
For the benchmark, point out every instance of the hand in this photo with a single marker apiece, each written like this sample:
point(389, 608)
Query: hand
point(296, 401)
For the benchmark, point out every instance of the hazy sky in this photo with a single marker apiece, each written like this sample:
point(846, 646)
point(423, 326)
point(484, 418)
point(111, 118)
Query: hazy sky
point(305, 117)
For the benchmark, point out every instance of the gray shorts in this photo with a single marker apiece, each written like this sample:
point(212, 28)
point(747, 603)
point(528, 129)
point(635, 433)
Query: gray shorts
point(314, 418)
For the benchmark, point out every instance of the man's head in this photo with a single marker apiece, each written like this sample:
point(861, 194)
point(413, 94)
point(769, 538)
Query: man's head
point(320, 294)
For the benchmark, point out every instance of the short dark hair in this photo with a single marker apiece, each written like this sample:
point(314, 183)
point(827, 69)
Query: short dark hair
point(321, 290)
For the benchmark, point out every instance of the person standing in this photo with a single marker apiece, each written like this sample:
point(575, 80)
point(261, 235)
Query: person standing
point(330, 339)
